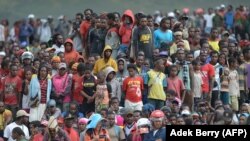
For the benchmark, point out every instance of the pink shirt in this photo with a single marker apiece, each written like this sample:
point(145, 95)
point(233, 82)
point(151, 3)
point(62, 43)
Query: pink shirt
point(176, 84)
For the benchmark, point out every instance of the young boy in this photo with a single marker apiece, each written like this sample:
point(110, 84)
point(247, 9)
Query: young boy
point(175, 83)
point(234, 89)
point(103, 92)
point(197, 92)
point(110, 79)
point(133, 86)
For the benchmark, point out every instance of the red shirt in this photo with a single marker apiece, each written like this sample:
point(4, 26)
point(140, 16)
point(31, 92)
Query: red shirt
point(176, 84)
point(77, 88)
point(11, 86)
point(84, 28)
point(72, 134)
point(207, 71)
point(133, 87)
point(43, 86)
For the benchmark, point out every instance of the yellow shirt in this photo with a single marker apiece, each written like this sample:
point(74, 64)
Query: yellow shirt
point(214, 45)
point(156, 83)
point(101, 64)
point(7, 113)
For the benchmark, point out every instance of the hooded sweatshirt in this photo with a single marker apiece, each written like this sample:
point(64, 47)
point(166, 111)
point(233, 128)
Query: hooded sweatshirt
point(125, 30)
point(71, 56)
point(101, 64)
point(116, 89)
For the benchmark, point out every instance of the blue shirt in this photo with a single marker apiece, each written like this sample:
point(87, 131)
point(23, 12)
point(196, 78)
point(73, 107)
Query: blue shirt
point(162, 37)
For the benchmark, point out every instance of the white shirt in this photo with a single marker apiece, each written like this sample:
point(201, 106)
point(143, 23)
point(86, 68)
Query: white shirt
point(58, 49)
point(209, 20)
point(2, 33)
point(10, 127)
point(197, 84)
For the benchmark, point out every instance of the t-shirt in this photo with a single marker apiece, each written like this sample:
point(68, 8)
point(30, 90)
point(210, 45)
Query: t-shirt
point(11, 86)
point(162, 37)
point(215, 45)
point(156, 81)
point(197, 84)
point(133, 87)
point(207, 72)
point(209, 20)
point(234, 88)
point(6, 114)
point(115, 134)
point(77, 87)
point(176, 84)
point(10, 127)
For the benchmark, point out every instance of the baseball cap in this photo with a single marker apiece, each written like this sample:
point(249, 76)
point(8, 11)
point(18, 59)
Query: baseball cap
point(62, 65)
point(21, 113)
point(69, 117)
point(50, 49)
point(185, 112)
point(52, 102)
point(126, 111)
point(83, 121)
point(225, 33)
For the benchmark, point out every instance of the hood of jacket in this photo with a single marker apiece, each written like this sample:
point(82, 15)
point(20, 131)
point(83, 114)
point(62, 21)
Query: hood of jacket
point(69, 41)
point(129, 13)
point(125, 71)
point(107, 47)
point(108, 70)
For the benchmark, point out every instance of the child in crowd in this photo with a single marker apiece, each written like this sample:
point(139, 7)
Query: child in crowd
point(103, 92)
point(234, 89)
point(197, 92)
point(133, 86)
point(175, 83)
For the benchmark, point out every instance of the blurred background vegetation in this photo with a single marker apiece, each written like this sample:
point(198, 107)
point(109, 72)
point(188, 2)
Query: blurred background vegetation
point(17, 9)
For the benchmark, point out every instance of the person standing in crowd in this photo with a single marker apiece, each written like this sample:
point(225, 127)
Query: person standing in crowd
point(85, 25)
point(51, 110)
point(163, 37)
point(75, 34)
point(11, 87)
point(115, 132)
point(68, 128)
point(62, 83)
point(133, 88)
point(96, 129)
point(143, 38)
point(244, 76)
point(21, 118)
point(97, 36)
point(112, 37)
point(107, 60)
point(110, 79)
point(207, 71)
point(5, 118)
point(234, 89)
point(186, 74)
point(158, 132)
point(88, 88)
point(125, 30)
point(70, 55)
point(209, 20)
point(54, 132)
point(213, 40)
point(58, 43)
point(175, 83)
point(102, 94)
point(157, 84)
point(18, 134)
point(39, 93)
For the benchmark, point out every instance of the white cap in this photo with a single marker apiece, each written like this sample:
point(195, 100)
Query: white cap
point(143, 121)
point(185, 112)
point(60, 17)
point(171, 14)
point(222, 6)
point(31, 16)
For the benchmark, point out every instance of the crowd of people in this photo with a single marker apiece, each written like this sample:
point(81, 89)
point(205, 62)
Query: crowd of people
point(123, 77)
